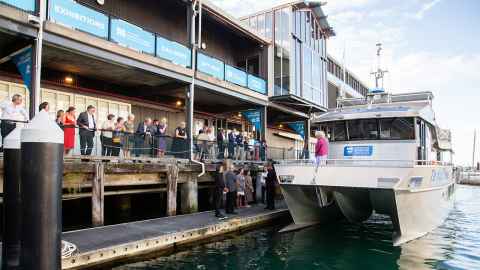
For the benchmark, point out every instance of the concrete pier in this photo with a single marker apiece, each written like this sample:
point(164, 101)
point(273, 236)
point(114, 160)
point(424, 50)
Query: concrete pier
point(117, 243)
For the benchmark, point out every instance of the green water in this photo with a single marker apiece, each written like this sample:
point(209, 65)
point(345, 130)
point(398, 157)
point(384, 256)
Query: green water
point(454, 245)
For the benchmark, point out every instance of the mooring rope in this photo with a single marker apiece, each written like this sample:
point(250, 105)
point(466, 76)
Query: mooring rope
point(68, 249)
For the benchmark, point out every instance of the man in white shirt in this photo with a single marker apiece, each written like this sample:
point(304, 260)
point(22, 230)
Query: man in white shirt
point(12, 110)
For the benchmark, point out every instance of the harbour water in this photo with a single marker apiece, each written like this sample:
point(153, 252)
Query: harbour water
point(454, 245)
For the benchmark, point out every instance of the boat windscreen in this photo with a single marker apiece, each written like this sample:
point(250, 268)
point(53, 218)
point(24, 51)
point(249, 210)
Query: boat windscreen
point(397, 128)
point(363, 129)
point(401, 128)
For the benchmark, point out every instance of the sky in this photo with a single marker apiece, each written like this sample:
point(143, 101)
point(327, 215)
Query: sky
point(428, 45)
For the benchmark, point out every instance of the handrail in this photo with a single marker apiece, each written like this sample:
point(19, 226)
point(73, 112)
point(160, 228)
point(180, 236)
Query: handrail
point(414, 162)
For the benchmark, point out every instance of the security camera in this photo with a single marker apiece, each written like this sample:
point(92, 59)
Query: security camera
point(33, 20)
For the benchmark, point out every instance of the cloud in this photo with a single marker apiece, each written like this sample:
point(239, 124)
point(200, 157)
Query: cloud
point(426, 7)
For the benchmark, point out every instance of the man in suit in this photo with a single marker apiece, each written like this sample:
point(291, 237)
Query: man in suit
point(231, 144)
point(144, 137)
point(270, 183)
point(220, 144)
point(87, 126)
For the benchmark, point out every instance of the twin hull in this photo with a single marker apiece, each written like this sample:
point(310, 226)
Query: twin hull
point(417, 198)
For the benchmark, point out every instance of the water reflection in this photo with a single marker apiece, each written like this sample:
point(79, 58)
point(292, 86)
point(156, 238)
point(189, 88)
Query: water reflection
point(455, 245)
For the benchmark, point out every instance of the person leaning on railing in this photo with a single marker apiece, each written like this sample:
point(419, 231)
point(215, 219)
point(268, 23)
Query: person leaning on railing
point(117, 136)
point(13, 110)
point(106, 137)
point(129, 137)
point(143, 142)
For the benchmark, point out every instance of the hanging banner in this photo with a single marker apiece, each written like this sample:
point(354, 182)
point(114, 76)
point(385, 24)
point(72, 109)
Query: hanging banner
point(174, 52)
point(73, 15)
point(131, 36)
point(28, 5)
point(255, 118)
point(235, 75)
point(23, 61)
point(299, 128)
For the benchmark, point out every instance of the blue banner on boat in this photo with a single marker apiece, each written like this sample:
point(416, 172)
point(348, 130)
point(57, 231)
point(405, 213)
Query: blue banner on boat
point(28, 5)
point(211, 66)
point(73, 15)
point(299, 128)
point(358, 151)
point(235, 75)
point(257, 84)
point(254, 117)
point(132, 36)
point(23, 61)
point(174, 52)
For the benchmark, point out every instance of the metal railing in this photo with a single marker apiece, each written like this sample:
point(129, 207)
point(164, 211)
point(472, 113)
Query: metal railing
point(367, 162)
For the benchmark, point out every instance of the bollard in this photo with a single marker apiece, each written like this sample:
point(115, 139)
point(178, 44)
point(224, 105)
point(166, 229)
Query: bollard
point(12, 213)
point(42, 174)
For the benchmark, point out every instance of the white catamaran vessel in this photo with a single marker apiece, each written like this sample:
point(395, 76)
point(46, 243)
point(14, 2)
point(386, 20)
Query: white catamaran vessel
point(387, 155)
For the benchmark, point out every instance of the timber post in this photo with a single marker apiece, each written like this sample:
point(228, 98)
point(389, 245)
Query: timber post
point(172, 178)
point(98, 189)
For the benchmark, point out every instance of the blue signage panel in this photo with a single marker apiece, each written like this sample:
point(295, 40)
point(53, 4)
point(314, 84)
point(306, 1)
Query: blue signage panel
point(211, 66)
point(299, 128)
point(257, 84)
point(358, 151)
point(255, 118)
point(71, 14)
point(235, 75)
point(174, 52)
point(28, 5)
point(132, 36)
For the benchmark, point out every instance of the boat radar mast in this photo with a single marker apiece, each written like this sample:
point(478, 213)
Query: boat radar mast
point(379, 73)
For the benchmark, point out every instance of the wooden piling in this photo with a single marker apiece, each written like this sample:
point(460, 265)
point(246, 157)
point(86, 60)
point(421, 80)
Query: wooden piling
point(98, 190)
point(189, 195)
point(172, 178)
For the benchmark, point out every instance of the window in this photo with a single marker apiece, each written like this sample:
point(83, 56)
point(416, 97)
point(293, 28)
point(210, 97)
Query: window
point(363, 129)
point(261, 24)
point(400, 128)
point(335, 130)
point(268, 25)
point(253, 23)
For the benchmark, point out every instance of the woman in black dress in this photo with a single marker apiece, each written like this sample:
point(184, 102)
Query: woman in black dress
point(179, 145)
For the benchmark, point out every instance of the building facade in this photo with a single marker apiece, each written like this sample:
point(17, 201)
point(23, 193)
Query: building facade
point(139, 57)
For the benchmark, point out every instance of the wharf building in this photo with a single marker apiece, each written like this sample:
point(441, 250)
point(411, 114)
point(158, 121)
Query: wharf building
point(135, 57)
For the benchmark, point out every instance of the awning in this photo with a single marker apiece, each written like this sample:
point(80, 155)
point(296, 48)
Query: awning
point(293, 136)
point(297, 103)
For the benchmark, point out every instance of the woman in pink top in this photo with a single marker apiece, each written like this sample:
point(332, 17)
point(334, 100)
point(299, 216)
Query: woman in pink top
point(321, 148)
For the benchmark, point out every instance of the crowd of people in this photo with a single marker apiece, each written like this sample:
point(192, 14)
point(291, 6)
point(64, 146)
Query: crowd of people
point(119, 136)
point(235, 189)
point(238, 145)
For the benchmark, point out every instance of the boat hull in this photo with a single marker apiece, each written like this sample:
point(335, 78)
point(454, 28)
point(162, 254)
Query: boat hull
point(414, 210)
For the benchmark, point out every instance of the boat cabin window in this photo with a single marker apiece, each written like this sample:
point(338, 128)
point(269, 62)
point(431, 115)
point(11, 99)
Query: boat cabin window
point(400, 128)
point(363, 129)
point(397, 128)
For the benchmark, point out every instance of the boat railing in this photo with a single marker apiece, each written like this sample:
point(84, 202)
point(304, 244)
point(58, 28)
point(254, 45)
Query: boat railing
point(367, 163)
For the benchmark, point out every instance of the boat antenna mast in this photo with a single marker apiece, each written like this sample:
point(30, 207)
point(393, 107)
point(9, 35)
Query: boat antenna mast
point(379, 73)
point(474, 148)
